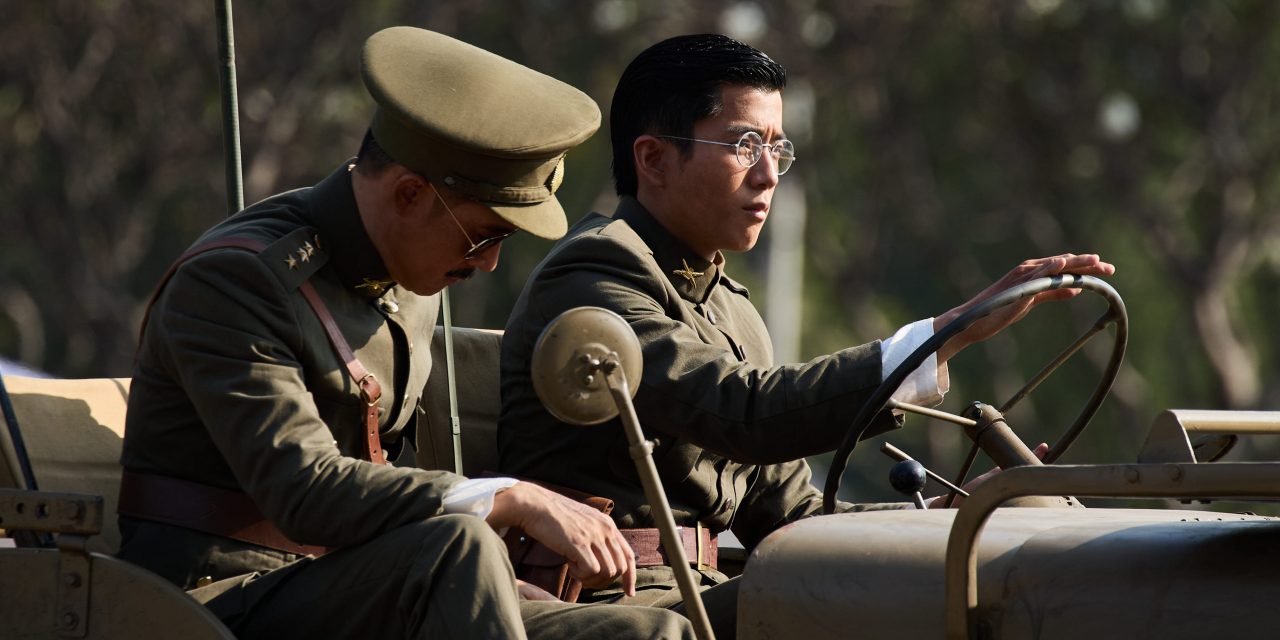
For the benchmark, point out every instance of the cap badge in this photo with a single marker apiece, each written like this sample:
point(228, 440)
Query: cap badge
point(556, 177)
point(688, 273)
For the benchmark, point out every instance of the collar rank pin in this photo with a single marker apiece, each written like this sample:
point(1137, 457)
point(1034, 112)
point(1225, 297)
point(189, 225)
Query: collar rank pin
point(688, 273)
point(376, 287)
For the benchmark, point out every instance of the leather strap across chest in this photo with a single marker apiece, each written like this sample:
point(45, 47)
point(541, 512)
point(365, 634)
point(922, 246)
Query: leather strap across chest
point(370, 389)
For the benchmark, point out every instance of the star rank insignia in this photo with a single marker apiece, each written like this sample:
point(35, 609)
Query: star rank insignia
point(688, 273)
point(303, 255)
point(292, 262)
point(376, 287)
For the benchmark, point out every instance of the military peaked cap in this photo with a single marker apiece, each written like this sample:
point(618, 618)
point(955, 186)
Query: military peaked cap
point(480, 124)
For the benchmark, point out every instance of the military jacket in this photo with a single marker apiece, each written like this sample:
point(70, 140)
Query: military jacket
point(732, 428)
point(237, 386)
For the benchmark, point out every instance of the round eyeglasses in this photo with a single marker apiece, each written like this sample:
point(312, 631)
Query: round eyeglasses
point(750, 148)
point(476, 248)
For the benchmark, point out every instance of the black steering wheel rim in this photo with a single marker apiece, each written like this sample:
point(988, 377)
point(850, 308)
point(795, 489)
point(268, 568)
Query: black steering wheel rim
point(1116, 313)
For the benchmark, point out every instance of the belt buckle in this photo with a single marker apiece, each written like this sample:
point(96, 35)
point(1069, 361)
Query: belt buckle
point(364, 383)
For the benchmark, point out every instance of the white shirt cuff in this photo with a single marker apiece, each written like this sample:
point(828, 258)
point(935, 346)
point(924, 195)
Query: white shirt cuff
point(475, 496)
point(928, 383)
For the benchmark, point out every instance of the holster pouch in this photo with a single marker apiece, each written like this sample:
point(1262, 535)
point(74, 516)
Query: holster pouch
point(540, 566)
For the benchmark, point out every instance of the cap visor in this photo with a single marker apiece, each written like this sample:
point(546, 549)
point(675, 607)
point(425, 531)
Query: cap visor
point(544, 219)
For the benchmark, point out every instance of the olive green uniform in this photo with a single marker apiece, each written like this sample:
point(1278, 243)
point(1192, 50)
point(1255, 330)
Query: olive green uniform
point(238, 387)
point(732, 428)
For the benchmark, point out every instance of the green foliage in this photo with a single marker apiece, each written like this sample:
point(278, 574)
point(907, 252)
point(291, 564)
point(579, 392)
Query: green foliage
point(947, 142)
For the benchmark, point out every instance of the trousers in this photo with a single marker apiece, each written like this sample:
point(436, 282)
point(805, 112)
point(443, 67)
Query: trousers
point(444, 577)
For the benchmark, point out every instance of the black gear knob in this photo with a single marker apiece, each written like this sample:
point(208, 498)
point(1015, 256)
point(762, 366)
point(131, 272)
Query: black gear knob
point(908, 478)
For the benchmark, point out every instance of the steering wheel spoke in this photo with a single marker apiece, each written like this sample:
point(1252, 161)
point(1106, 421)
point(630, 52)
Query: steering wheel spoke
point(1102, 322)
point(928, 412)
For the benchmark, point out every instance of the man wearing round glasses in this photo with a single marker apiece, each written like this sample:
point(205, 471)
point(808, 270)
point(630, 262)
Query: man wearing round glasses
point(698, 149)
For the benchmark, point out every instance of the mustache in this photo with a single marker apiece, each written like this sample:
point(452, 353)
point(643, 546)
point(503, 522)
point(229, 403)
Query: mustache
point(461, 274)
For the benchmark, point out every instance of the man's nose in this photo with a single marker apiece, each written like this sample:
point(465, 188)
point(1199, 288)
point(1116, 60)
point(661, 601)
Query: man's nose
point(765, 172)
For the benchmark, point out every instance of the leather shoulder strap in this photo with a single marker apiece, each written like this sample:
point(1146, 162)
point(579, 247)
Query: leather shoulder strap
point(370, 390)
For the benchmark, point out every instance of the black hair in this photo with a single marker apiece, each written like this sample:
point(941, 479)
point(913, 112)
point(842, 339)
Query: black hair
point(675, 83)
point(371, 160)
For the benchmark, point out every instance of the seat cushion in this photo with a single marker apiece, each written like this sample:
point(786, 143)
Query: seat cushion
point(73, 431)
point(476, 356)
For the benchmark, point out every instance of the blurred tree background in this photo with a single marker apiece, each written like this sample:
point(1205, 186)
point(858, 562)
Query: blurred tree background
point(938, 143)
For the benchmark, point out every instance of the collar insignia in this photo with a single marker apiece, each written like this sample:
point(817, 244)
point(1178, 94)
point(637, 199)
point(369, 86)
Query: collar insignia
point(688, 273)
point(376, 287)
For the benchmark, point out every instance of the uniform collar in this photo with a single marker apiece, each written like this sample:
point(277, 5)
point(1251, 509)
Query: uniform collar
point(692, 275)
point(332, 210)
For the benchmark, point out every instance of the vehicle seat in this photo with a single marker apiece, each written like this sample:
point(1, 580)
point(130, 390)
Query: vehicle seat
point(73, 430)
point(476, 354)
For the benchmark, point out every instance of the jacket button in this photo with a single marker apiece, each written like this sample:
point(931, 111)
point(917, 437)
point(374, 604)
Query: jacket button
point(205, 581)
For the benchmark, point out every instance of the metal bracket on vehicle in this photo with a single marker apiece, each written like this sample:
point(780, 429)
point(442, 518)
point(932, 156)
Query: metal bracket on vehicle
point(1170, 437)
point(75, 517)
point(72, 607)
point(1235, 480)
point(68, 513)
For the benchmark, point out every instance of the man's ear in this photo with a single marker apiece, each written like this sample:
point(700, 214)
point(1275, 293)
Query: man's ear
point(408, 189)
point(652, 157)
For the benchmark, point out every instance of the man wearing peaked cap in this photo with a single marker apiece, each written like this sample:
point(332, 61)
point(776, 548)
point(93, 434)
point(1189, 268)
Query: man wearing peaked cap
point(284, 357)
point(508, 155)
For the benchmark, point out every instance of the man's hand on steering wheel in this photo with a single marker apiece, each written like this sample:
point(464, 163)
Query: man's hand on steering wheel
point(1029, 284)
point(1089, 264)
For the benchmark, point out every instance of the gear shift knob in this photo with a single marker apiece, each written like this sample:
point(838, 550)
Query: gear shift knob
point(908, 477)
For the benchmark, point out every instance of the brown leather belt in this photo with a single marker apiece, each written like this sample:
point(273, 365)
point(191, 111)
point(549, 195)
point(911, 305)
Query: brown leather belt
point(701, 548)
point(233, 514)
point(230, 514)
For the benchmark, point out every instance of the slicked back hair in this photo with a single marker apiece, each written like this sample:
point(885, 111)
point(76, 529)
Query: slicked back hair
point(675, 83)
point(371, 160)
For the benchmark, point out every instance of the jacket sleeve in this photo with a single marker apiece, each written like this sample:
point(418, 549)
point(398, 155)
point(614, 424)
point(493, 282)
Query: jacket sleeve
point(702, 392)
point(231, 338)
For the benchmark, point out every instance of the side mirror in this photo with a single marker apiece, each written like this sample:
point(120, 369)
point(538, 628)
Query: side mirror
point(583, 365)
point(574, 359)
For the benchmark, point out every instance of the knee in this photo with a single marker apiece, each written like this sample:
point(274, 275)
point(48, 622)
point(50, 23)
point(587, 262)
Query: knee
point(651, 622)
point(461, 534)
point(462, 526)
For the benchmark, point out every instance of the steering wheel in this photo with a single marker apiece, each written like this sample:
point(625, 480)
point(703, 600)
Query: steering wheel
point(880, 399)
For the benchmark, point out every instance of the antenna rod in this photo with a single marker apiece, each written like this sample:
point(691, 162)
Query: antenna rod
point(455, 421)
point(230, 106)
